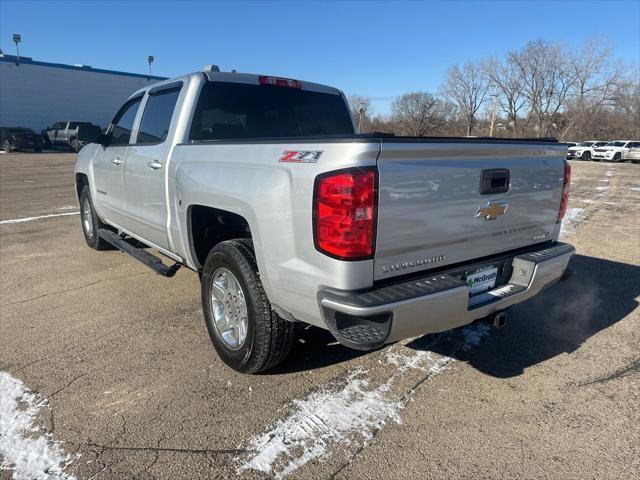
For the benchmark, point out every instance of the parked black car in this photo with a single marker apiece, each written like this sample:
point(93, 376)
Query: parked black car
point(64, 133)
point(19, 138)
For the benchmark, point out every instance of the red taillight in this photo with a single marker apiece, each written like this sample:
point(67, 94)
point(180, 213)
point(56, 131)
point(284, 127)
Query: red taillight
point(279, 82)
point(344, 214)
point(566, 183)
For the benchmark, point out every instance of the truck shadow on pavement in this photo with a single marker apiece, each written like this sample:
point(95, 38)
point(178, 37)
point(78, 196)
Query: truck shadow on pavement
point(559, 320)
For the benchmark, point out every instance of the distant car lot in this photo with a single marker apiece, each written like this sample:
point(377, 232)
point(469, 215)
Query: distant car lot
point(134, 389)
point(615, 151)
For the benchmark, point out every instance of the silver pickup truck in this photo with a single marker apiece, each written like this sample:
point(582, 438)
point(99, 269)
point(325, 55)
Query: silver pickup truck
point(260, 185)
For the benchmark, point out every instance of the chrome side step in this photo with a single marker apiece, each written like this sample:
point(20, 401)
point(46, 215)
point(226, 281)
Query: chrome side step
point(151, 261)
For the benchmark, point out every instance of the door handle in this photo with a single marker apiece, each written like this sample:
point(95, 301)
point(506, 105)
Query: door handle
point(154, 165)
point(117, 161)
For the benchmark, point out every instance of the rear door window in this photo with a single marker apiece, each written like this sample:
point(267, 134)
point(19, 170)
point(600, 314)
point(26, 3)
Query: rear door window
point(227, 111)
point(122, 124)
point(156, 119)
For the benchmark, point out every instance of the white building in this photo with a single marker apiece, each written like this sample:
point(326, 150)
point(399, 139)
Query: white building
point(37, 94)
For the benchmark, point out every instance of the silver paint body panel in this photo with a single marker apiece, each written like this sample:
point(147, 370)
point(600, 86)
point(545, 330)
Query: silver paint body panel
point(430, 193)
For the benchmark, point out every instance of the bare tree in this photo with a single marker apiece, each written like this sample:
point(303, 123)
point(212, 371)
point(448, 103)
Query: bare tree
point(467, 87)
point(506, 81)
point(413, 113)
point(546, 82)
point(596, 80)
point(421, 113)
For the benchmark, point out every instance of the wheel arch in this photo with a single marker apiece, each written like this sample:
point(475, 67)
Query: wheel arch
point(208, 226)
point(81, 180)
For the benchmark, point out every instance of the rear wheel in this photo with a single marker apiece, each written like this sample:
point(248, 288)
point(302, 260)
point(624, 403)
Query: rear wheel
point(75, 145)
point(37, 149)
point(246, 332)
point(7, 147)
point(91, 223)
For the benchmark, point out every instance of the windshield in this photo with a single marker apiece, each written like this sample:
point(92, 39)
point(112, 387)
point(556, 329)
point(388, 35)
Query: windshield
point(615, 144)
point(585, 144)
point(75, 124)
point(228, 110)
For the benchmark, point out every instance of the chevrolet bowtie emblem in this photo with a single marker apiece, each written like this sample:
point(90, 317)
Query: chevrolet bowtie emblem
point(491, 210)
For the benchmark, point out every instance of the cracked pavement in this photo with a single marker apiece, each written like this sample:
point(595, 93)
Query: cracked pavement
point(136, 390)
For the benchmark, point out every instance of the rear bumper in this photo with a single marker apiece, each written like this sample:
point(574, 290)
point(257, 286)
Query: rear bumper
point(367, 320)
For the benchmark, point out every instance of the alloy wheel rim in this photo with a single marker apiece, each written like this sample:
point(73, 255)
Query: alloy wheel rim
point(86, 218)
point(229, 308)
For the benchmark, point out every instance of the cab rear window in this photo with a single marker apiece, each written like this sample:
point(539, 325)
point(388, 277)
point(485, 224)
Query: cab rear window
point(229, 111)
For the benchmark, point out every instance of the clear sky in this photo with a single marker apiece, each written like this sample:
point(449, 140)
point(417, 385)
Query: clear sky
point(376, 49)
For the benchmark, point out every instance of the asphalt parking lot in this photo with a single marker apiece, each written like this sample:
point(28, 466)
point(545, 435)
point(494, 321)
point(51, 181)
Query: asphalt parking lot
point(117, 370)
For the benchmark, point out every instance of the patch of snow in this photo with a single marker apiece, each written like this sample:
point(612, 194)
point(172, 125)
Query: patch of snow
point(68, 207)
point(346, 413)
point(324, 417)
point(39, 217)
point(30, 454)
point(606, 187)
point(609, 173)
point(572, 219)
point(635, 189)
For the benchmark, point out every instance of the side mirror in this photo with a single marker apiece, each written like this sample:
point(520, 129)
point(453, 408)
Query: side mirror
point(89, 134)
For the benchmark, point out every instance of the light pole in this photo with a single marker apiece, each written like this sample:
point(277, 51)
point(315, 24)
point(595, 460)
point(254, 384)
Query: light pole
point(150, 59)
point(493, 114)
point(17, 38)
point(362, 108)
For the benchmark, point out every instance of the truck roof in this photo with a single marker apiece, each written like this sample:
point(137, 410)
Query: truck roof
point(212, 75)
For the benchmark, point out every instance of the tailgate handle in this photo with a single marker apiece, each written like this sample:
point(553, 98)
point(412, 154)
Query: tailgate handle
point(495, 180)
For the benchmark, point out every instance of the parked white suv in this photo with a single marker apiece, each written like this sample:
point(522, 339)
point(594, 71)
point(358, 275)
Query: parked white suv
point(583, 150)
point(612, 151)
point(632, 152)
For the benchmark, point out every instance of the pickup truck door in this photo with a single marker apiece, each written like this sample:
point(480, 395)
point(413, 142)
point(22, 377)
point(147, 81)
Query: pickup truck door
point(52, 132)
point(108, 165)
point(145, 167)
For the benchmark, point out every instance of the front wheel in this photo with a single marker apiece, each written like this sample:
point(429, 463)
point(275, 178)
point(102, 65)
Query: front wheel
point(617, 157)
point(91, 223)
point(586, 156)
point(7, 147)
point(247, 333)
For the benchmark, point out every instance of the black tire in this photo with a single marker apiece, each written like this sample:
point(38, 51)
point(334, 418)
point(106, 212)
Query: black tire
point(268, 337)
point(617, 157)
point(7, 147)
point(88, 215)
point(586, 156)
point(635, 161)
point(38, 150)
point(75, 145)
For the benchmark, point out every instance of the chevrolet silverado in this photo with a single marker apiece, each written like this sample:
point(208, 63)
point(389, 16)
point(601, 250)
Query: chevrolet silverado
point(261, 185)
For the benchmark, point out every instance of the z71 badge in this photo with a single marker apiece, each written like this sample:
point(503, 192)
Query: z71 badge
point(300, 156)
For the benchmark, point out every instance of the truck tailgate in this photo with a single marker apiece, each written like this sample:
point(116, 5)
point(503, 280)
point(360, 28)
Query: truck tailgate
point(431, 211)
